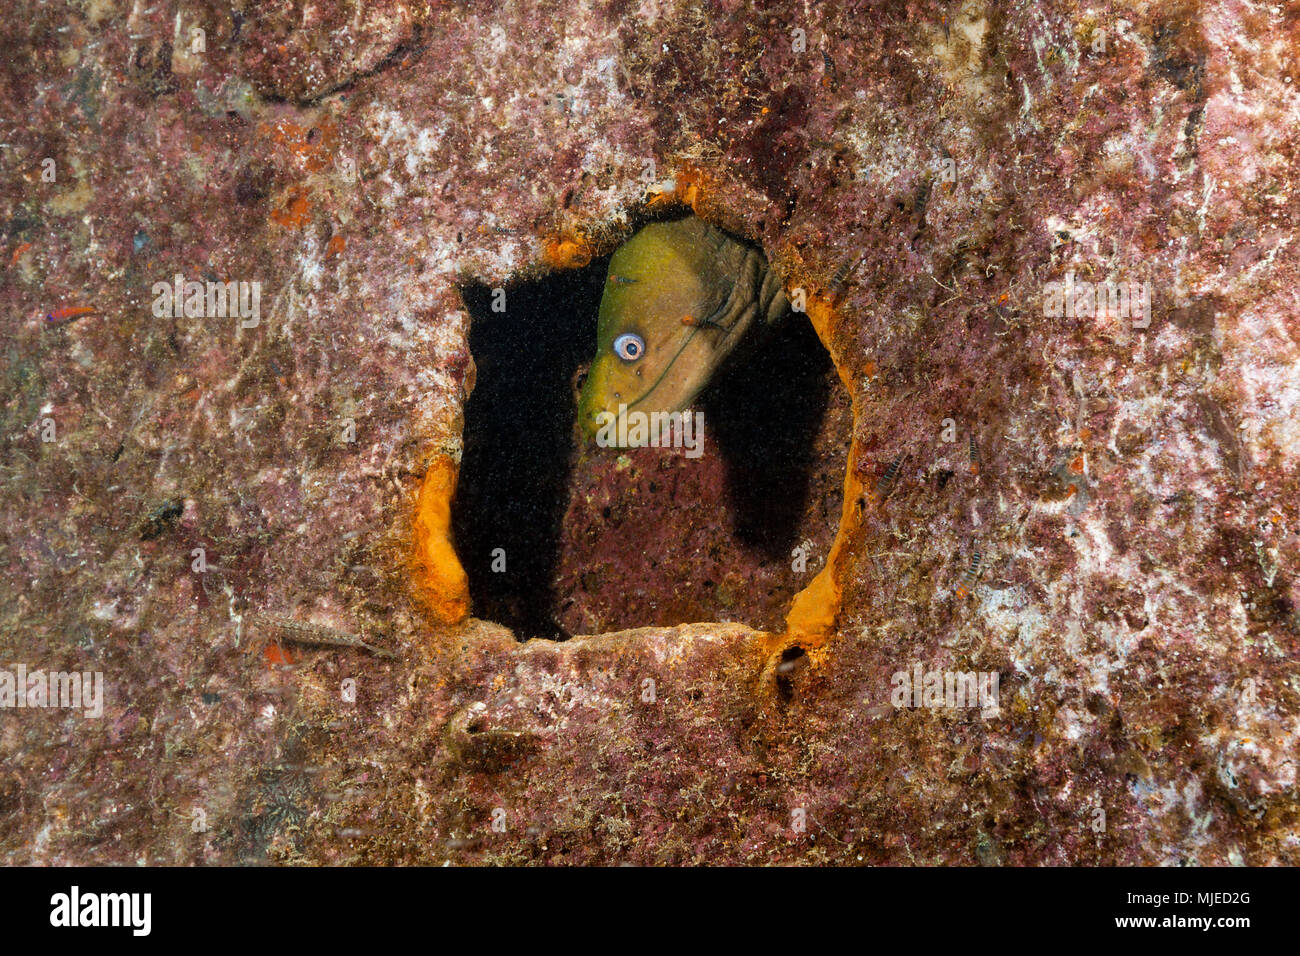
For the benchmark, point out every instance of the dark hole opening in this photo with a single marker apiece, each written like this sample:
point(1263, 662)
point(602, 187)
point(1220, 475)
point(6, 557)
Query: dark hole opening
point(764, 408)
point(595, 540)
point(518, 435)
point(792, 658)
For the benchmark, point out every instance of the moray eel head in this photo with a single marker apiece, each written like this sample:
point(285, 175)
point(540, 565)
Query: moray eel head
point(677, 299)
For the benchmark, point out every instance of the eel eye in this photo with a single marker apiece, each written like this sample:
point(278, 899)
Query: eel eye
point(629, 346)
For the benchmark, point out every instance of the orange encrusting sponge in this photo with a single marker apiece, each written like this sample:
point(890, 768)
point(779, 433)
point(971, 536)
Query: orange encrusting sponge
point(439, 578)
point(812, 615)
point(560, 253)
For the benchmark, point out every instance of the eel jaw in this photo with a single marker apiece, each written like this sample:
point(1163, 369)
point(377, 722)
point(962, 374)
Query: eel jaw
point(672, 389)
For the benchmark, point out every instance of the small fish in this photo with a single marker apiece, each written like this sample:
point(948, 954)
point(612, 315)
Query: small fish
point(68, 314)
point(971, 573)
point(312, 634)
point(890, 474)
point(829, 77)
point(680, 297)
point(840, 281)
point(974, 455)
point(885, 483)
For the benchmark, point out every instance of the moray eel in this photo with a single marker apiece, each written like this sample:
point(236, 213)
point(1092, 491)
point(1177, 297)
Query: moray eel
point(679, 297)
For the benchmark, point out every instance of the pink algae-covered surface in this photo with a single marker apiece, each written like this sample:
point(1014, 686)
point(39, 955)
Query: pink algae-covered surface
point(1134, 505)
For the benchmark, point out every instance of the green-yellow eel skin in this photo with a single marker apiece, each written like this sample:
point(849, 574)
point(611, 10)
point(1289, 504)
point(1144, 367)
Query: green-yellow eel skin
point(678, 299)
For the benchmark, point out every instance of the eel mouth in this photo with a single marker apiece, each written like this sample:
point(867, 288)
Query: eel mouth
point(588, 421)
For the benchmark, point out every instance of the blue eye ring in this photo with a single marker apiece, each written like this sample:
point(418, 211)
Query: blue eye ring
point(629, 346)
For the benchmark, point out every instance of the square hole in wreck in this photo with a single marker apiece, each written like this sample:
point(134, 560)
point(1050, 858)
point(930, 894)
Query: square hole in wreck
point(559, 536)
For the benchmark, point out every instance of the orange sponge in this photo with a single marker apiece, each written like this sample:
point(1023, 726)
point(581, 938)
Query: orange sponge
point(439, 578)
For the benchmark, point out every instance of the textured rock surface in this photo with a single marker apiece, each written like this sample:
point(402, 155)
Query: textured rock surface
point(1134, 505)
